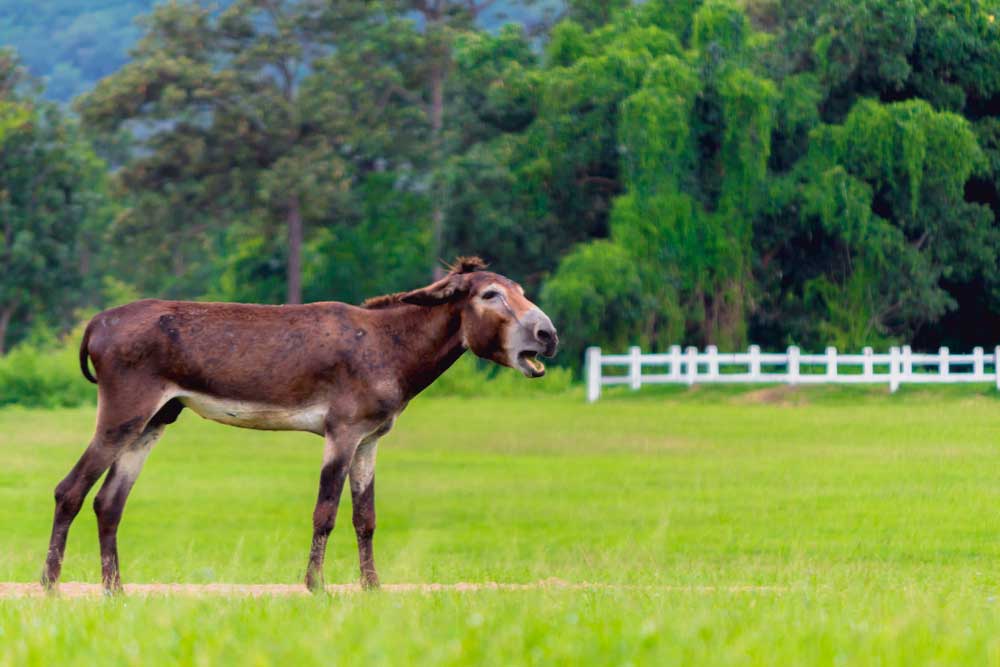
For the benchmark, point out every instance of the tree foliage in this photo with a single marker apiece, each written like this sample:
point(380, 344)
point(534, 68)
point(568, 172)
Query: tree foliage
point(693, 132)
point(748, 217)
point(52, 192)
point(252, 119)
point(661, 172)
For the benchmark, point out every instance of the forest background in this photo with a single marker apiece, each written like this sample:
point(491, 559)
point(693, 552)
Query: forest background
point(663, 172)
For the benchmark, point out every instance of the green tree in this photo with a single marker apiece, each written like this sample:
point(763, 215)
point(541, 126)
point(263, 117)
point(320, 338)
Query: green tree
point(13, 112)
point(691, 142)
point(942, 51)
point(237, 135)
point(830, 55)
point(51, 192)
point(740, 213)
point(446, 27)
point(866, 231)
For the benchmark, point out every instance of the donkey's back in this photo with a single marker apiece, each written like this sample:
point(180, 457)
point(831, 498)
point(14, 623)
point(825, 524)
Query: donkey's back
point(270, 354)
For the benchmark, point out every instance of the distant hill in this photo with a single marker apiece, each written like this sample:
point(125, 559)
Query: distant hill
point(508, 12)
point(71, 44)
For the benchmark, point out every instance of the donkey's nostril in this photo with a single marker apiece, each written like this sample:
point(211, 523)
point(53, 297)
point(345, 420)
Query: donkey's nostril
point(544, 335)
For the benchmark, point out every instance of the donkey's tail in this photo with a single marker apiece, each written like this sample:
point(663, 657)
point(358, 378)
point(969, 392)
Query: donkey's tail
point(84, 355)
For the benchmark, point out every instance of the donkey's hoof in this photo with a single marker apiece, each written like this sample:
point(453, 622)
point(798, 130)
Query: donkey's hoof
point(370, 582)
point(315, 584)
point(50, 586)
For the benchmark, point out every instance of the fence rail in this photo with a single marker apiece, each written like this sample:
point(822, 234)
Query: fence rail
point(690, 366)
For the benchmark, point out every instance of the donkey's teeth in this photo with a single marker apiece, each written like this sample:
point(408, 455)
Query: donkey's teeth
point(531, 361)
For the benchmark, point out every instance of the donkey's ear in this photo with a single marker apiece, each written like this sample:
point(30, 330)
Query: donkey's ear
point(447, 289)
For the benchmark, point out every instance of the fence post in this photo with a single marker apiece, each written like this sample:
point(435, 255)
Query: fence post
point(978, 363)
point(907, 362)
point(831, 362)
point(755, 362)
point(713, 362)
point(675, 362)
point(635, 367)
point(593, 374)
point(793, 365)
point(692, 365)
point(868, 368)
point(944, 365)
point(893, 369)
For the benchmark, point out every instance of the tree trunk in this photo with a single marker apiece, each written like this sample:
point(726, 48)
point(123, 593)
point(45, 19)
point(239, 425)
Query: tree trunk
point(5, 316)
point(437, 214)
point(294, 275)
point(437, 123)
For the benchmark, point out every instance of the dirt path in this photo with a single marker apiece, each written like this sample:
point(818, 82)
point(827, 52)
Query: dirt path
point(73, 589)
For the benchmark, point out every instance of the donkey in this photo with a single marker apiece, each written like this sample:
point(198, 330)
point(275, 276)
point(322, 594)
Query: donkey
point(339, 371)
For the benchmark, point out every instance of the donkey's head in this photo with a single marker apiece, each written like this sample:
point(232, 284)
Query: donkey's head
point(498, 322)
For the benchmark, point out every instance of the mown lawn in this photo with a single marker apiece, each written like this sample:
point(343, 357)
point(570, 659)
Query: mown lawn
point(739, 526)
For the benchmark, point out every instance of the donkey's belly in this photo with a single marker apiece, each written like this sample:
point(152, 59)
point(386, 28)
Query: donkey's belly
point(257, 415)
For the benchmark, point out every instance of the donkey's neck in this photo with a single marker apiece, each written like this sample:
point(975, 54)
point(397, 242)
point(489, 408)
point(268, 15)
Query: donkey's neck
point(430, 341)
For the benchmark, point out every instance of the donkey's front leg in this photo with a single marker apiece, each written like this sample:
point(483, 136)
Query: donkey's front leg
point(341, 442)
point(363, 502)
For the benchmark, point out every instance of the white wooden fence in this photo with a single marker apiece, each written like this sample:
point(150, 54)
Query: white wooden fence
point(898, 366)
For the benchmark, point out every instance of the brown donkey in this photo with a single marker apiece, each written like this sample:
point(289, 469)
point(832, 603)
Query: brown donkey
point(332, 369)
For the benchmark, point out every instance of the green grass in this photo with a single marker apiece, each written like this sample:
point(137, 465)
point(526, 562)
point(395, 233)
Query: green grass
point(874, 520)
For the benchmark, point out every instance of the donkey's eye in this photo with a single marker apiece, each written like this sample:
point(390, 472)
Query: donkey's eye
point(491, 294)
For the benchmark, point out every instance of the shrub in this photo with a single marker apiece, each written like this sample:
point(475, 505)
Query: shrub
point(45, 375)
point(472, 377)
point(595, 298)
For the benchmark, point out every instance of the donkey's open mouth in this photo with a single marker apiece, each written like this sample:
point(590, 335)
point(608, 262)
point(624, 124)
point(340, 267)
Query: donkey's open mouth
point(529, 363)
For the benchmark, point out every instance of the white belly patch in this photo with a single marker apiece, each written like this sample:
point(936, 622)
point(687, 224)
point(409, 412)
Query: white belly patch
point(257, 415)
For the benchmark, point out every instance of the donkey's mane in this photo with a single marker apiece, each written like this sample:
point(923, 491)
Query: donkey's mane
point(384, 301)
point(460, 266)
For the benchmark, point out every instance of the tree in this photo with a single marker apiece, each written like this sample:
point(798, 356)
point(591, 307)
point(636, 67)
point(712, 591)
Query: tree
point(14, 113)
point(832, 55)
point(545, 174)
point(741, 214)
point(444, 23)
point(864, 234)
point(942, 51)
point(690, 151)
point(51, 188)
point(233, 132)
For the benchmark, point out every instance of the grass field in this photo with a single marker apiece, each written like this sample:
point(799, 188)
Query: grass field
point(736, 526)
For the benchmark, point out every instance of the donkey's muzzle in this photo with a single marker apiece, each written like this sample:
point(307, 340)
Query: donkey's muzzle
point(544, 333)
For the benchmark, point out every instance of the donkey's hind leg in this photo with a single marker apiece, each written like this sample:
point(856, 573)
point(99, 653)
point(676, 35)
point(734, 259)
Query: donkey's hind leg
point(121, 419)
point(110, 500)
